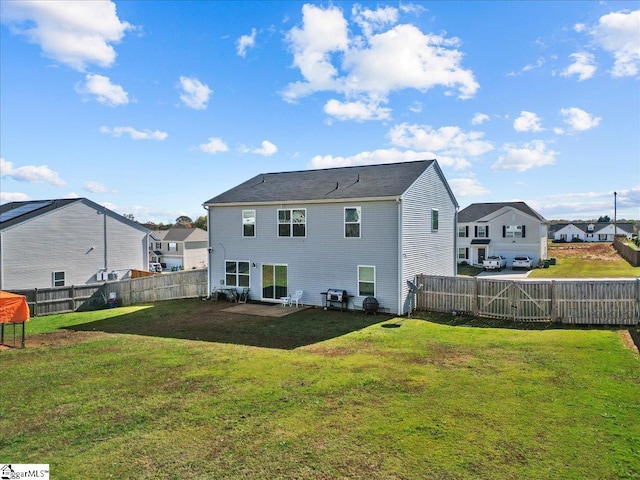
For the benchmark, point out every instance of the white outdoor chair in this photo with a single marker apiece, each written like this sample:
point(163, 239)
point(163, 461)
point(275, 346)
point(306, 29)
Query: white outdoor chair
point(295, 298)
point(286, 301)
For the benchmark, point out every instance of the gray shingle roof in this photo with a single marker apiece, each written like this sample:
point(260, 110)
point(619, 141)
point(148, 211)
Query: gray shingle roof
point(368, 181)
point(476, 211)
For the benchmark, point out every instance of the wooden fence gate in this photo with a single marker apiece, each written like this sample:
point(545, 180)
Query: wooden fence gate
point(518, 301)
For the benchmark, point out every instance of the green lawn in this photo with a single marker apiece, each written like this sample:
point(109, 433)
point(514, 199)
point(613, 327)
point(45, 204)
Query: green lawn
point(317, 395)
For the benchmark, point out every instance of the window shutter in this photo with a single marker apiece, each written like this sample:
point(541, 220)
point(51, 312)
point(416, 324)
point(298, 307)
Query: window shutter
point(466, 231)
point(523, 231)
point(504, 231)
point(486, 232)
point(466, 253)
point(475, 231)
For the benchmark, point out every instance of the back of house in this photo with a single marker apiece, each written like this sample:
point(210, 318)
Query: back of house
point(364, 230)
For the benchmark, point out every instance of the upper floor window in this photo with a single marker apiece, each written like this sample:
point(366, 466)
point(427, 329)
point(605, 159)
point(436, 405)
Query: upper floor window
point(158, 245)
point(237, 274)
point(58, 279)
point(463, 232)
point(482, 231)
point(352, 222)
point(292, 222)
point(434, 220)
point(248, 223)
point(172, 246)
point(513, 231)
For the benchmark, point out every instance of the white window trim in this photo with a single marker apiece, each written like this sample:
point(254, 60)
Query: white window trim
point(484, 231)
point(518, 229)
point(359, 222)
point(255, 221)
point(53, 278)
point(237, 274)
point(291, 223)
point(374, 279)
point(438, 222)
point(169, 246)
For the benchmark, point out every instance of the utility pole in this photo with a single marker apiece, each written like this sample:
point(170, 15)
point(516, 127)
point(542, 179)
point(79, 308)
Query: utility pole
point(615, 215)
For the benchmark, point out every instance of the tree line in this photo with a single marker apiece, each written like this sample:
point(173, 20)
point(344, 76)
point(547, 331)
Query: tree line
point(183, 221)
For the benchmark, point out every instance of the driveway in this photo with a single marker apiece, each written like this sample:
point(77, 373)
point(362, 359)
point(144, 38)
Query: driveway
point(505, 274)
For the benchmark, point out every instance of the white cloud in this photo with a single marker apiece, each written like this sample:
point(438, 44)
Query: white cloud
point(214, 146)
point(30, 173)
point(527, 122)
point(591, 205)
point(356, 110)
point(583, 66)
point(450, 143)
point(366, 69)
point(533, 66)
point(195, 94)
point(416, 9)
point(104, 91)
point(479, 118)
point(578, 119)
point(619, 34)
point(266, 149)
point(416, 107)
point(94, 187)
point(373, 20)
point(531, 155)
point(245, 42)
point(134, 133)
point(76, 33)
point(467, 187)
point(369, 158)
point(6, 197)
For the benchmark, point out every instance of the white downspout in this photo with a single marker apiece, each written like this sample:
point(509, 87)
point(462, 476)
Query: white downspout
point(209, 251)
point(400, 258)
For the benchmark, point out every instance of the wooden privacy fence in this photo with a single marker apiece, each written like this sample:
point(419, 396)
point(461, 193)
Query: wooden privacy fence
point(604, 302)
point(168, 286)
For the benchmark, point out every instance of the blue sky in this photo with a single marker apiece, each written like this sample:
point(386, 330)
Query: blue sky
point(151, 108)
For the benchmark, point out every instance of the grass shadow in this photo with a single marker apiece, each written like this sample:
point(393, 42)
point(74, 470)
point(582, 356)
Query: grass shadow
point(207, 321)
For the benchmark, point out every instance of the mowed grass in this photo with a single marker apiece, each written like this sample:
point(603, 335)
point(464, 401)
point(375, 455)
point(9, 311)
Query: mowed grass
point(586, 260)
point(316, 395)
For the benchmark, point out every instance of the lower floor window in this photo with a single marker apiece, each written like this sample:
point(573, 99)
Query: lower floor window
point(237, 274)
point(58, 279)
point(366, 281)
point(462, 253)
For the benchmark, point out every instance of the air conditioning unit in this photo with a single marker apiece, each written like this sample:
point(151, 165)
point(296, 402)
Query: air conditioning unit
point(101, 275)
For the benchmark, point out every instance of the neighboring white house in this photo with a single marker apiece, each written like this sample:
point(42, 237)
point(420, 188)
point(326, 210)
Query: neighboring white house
point(590, 231)
point(179, 248)
point(52, 243)
point(363, 229)
point(508, 229)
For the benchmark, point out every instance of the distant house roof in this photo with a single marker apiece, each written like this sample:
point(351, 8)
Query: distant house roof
point(14, 213)
point(476, 211)
point(359, 182)
point(597, 226)
point(180, 234)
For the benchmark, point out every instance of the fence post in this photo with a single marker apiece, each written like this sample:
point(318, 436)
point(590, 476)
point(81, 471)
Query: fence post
point(73, 298)
point(474, 300)
point(554, 302)
point(638, 298)
point(35, 302)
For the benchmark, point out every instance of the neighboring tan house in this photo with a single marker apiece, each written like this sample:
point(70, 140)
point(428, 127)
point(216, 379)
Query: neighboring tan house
point(590, 231)
point(179, 248)
point(508, 229)
point(363, 229)
point(54, 243)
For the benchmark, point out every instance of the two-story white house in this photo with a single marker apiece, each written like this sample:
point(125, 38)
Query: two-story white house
point(179, 248)
point(363, 229)
point(71, 241)
point(508, 229)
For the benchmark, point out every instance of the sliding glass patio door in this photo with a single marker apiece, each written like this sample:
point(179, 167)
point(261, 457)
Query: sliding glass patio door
point(274, 281)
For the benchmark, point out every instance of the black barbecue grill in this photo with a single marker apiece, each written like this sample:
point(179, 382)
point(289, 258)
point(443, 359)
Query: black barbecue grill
point(335, 298)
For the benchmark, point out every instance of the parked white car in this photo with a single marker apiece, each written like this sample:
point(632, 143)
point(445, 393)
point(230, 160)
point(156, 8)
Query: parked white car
point(522, 262)
point(494, 262)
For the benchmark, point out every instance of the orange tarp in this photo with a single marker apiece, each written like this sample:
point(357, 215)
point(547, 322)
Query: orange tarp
point(13, 308)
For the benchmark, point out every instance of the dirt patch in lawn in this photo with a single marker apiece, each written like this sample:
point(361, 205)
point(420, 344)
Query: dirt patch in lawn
point(602, 252)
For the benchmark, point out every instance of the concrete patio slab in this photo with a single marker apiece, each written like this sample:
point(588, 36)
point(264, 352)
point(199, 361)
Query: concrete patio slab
point(262, 310)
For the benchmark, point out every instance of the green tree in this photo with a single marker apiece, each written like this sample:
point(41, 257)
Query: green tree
point(183, 222)
point(201, 222)
point(604, 219)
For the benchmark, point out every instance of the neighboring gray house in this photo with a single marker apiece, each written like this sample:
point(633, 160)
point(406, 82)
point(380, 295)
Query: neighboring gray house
point(364, 229)
point(179, 248)
point(51, 243)
point(508, 229)
point(590, 231)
